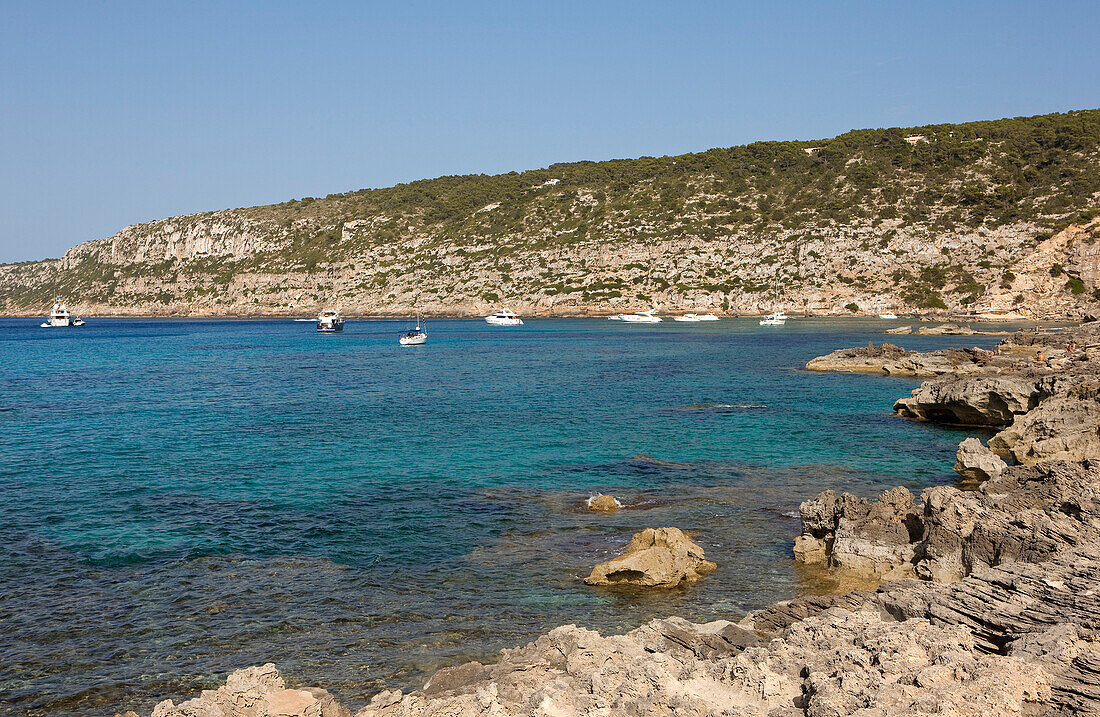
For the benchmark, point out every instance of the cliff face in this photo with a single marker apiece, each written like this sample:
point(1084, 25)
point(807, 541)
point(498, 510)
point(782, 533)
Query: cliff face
point(983, 217)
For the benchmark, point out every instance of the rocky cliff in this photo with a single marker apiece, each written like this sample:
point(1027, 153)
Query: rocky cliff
point(985, 217)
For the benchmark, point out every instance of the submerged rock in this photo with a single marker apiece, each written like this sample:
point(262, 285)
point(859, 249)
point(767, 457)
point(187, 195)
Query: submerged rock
point(655, 557)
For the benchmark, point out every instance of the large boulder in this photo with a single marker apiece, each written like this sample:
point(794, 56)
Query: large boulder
point(970, 400)
point(255, 692)
point(974, 461)
point(875, 538)
point(655, 557)
point(603, 503)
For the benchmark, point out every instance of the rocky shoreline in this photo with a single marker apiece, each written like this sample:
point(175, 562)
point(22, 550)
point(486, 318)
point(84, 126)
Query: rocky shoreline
point(989, 601)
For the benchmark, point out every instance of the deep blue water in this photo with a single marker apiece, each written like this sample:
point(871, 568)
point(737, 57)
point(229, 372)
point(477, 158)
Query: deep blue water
point(182, 498)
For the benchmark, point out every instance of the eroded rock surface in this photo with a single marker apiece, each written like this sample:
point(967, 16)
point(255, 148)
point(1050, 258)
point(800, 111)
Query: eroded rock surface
point(255, 692)
point(655, 557)
point(975, 462)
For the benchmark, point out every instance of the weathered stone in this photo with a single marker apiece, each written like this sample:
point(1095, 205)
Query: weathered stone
point(970, 400)
point(661, 557)
point(867, 537)
point(974, 461)
point(255, 692)
point(603, 504)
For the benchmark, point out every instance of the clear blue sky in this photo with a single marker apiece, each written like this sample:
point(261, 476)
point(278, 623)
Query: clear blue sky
point(114, 113)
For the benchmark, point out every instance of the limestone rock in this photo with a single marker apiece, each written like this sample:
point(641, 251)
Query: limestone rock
point(1062, 427)
point(900, 330)
point(867, 359)
point(874, 538)
point(974, 461)
point(970, 400)
point(255, 692)
point(835, 662)
point(603, 504)
point(661, 557)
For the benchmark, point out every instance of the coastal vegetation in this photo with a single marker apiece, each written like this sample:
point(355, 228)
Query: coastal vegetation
point(927, 218)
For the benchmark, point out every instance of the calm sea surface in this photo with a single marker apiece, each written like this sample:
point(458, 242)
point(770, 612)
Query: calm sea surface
point(184, 498)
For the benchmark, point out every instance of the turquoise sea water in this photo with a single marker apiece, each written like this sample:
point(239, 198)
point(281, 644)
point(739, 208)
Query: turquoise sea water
point(183, 498)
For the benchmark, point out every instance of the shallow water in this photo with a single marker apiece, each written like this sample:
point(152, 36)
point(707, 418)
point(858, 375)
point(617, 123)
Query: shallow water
point(183, 498)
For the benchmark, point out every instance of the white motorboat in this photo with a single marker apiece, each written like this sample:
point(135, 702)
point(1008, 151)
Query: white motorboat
point(615, 317)
point(776, 319)
point(689, 317)
point(642, 317)
point(413, 337)
point(504, 317)
point(60, 316)
point(888, 316)
point(330, 322)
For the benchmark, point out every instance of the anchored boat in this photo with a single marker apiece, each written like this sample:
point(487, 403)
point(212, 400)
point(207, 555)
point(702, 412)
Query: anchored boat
point(413, 337)
point(504, 317)
point(642, 317)
point(330, 322)
point(60, 316)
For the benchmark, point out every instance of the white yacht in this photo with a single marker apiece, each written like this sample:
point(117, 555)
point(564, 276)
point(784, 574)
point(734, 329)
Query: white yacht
point(504, 317)
point(695, 317)
point(776, 319)
point(330, 322)
point(642, 317)
point(615, 317)
point(60, 316)
point(413, 337)
point(888, 316)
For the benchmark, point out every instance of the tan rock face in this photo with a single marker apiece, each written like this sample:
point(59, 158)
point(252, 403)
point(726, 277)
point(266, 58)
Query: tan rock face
point(603, 504)
point(655, 557)
point(255, 692)
point(973, 461)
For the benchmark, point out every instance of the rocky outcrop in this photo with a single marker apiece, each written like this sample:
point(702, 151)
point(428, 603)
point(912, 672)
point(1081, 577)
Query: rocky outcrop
point(654, 558)
point(836, 662)
point(1024, 513)
point(970, 400)
point(1065, 426)
point(875, 537)
point(602, 504)
point(895, 361)
point(866, 359)
point(975, 462)
point(255, 692)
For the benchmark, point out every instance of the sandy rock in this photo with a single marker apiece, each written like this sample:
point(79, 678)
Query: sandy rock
point(835, 662)
point(255, 692)
point(974, 461)
point(661, 557)
point(603, 504)
point(900, 330)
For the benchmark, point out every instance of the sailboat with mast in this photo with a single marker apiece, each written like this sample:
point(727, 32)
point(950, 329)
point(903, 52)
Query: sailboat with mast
point(776, 318)
point(414, 337)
